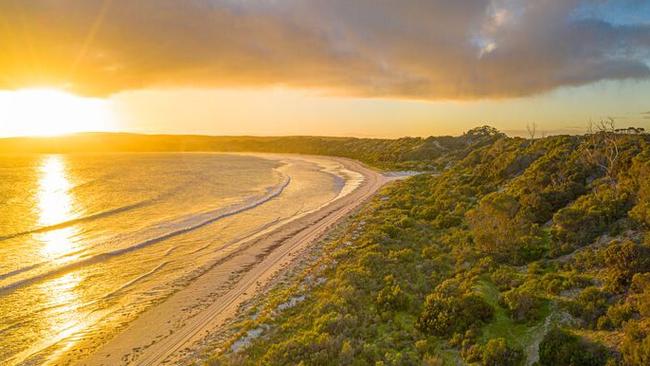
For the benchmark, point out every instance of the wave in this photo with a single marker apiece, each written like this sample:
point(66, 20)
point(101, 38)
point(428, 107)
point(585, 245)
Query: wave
point(135, 280)
point(65, 224)
point(199, 222)
point(20, 270)
point(13, 326)
point(95, 216)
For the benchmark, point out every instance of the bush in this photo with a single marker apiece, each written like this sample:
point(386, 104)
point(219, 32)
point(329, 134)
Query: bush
point(624, 261)
point(641, 171)
point(444, 316)
point(391, 297)
point(561, 348)
point(589, 305)
point(499, 231)
point(432, 361)
point(522, 304)
point(505, 278)
point(616, 316)
point(497, 353)
point(587, 218)
point(472, 354)
point(636, 346)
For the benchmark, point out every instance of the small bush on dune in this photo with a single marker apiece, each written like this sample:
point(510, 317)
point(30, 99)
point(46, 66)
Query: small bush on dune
point(624, 260)
point(522, 304)
point(589, 305)
point(444, 316)
point(636, 346)
point(498, 353)
point(562, 348)
point(501, 232)
point(391, 297)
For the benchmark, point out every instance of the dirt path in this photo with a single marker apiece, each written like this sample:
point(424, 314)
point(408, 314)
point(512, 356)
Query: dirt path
point(172, 329)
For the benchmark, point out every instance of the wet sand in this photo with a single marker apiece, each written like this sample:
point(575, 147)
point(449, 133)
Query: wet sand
point(169, 331)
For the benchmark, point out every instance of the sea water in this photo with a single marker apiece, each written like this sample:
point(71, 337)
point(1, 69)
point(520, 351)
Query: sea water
point(88, 242)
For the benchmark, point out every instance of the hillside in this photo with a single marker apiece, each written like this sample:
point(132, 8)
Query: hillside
point(520, 252)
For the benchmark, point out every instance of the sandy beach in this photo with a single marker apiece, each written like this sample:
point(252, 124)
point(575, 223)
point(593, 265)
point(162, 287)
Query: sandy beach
point(169, 331)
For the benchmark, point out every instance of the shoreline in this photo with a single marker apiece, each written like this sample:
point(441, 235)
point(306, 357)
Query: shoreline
point(166, 334)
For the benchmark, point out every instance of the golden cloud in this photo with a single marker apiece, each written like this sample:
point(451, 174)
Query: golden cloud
point(437, 49)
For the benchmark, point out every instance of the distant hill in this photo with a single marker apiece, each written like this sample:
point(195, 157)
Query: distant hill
point(403, 153)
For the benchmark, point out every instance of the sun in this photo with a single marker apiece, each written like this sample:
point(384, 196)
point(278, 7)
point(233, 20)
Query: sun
point(52, 112)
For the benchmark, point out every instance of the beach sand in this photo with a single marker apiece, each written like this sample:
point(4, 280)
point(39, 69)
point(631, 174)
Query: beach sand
point(169, 331)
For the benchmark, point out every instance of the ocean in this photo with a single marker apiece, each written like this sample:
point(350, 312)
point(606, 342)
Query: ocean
point(88, 242)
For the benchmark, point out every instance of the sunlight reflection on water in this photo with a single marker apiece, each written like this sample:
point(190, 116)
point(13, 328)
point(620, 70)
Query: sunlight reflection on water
point(55, 206)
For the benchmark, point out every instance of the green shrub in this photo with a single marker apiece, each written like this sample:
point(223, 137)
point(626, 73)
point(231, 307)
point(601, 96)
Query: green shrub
point(636, 346)
point(589, 305)
point(616, 316)
point(561, 348)
point(522, 304)
point(641, 174)
point(624, 260)
point(391, 297)
point(443, 316)
point(499, 231)
point(497, 352)
point(591, 215)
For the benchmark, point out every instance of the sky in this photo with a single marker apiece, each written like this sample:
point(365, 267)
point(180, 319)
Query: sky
point(368, 68)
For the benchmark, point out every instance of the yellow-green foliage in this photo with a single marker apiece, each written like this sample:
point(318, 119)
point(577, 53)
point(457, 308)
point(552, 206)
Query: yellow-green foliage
point(481, 261)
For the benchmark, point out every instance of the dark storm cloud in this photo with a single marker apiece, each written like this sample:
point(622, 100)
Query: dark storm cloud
point(438, 49)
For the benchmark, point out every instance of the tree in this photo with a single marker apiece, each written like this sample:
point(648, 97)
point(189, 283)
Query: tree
point(483, 133)
point(602, 146)
point(532, 130)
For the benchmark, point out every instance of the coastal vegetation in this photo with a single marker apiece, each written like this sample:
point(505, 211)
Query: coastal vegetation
point(516, 251)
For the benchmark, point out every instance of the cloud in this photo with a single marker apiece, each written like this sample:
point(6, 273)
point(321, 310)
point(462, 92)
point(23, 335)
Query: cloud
point(436, 49)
